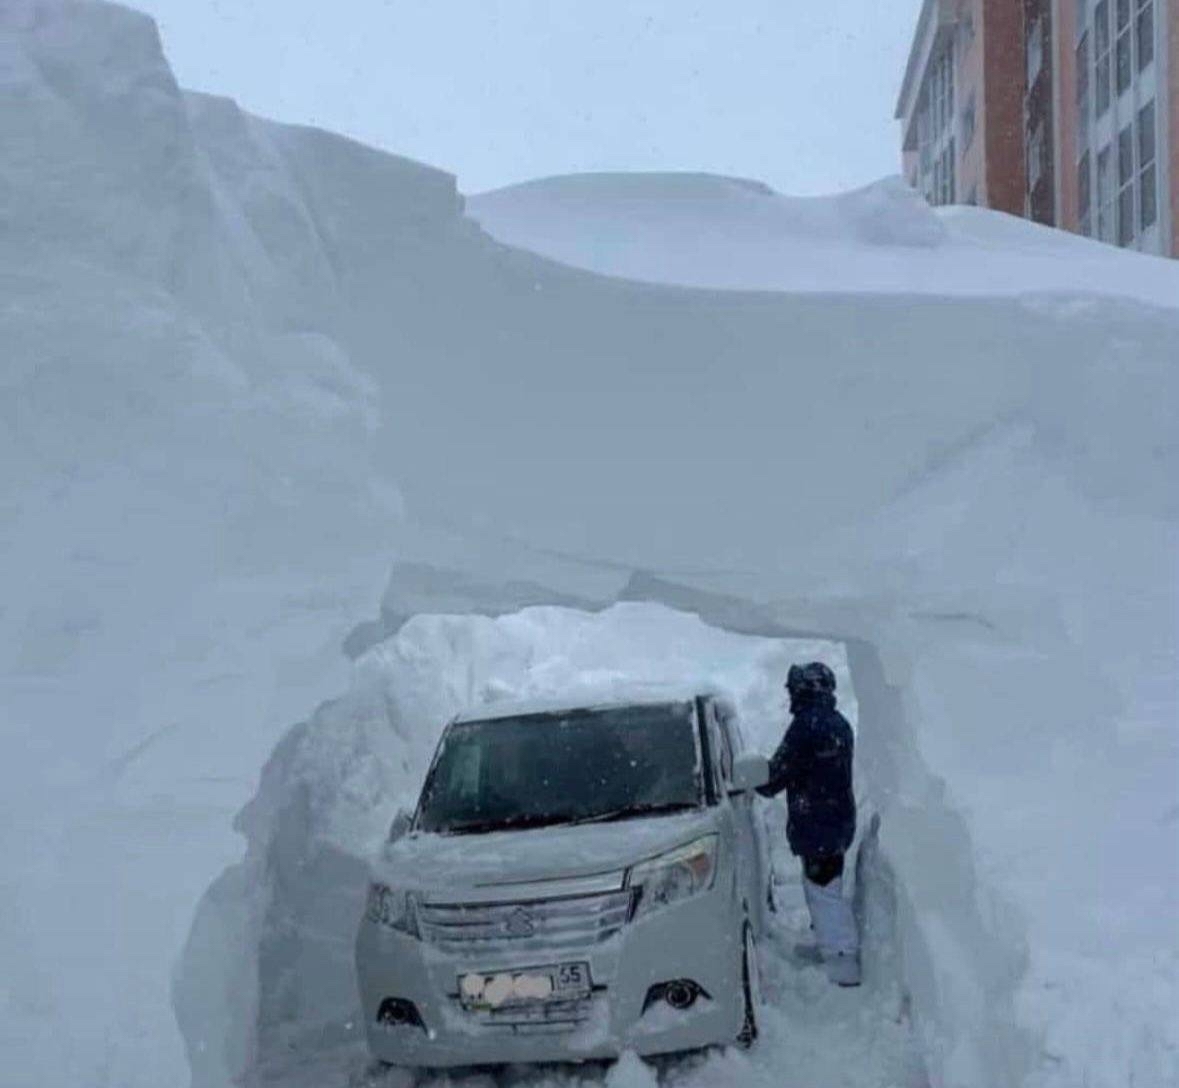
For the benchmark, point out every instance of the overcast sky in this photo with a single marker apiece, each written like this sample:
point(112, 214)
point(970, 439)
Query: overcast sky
point(796, 94)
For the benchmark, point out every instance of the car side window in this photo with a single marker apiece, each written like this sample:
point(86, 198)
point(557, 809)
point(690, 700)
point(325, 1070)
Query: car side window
point(722, 743)
point(727, 718)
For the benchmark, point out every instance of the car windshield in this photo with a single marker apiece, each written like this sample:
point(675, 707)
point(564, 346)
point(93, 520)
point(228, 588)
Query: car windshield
point(574, 766)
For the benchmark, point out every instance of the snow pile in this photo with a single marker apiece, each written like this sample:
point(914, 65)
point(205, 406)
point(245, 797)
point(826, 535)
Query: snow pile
point(1019, 578)
point(735, 235)
point(277, 930)
point(950, 435)
point(185, 454)
point(266, 984)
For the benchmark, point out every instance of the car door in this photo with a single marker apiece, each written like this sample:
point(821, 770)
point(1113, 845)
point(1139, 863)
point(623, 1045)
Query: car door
point(751, 844)
point(749, 862)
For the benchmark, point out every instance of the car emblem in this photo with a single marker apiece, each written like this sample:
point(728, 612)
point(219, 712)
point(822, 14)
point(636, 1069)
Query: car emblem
point(520, 924)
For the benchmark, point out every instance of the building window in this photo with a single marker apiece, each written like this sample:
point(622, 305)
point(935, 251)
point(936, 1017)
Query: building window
point(1118, 186)
point(1147, 169)
point(1145, 33)
point(936, 100)
point(1035, 51)
point(1101, 55)
point(944, 170)
point(1083, 91)
point(1036, 157)
point(936, 125)
point(1125, 58)
point(943, 184)
point(1126, 224)
point(1105, 216)
point(968, 32)
point(1084, 195)
point(969, 122)
point(942, 92)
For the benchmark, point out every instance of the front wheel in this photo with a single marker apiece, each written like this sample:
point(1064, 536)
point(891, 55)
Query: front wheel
point(750, 990)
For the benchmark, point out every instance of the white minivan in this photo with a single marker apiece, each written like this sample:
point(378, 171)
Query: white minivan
point(577, 880)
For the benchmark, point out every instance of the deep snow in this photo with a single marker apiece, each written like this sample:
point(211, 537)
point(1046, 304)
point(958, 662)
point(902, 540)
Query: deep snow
point(700, 230)
point(330, 791)
point(181, 490)
point(222, 337)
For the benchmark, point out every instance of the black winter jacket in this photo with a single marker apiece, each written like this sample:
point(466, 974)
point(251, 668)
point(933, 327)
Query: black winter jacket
point(814, 765)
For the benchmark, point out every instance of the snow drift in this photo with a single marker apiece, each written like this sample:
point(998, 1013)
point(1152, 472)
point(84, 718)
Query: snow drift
point(281, 925)
point(705, 231)
point(275, 933)
point(184, 452)
point(950, 436)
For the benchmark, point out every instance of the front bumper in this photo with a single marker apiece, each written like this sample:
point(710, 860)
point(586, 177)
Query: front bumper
point(698, 939)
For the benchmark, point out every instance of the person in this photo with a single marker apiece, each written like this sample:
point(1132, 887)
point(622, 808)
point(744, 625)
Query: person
point(813, 764)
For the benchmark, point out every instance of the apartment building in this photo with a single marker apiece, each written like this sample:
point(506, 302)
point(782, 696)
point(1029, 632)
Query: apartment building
point(1063, 111)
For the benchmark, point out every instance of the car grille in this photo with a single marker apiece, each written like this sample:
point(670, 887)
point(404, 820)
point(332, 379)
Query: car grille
point(572, 922)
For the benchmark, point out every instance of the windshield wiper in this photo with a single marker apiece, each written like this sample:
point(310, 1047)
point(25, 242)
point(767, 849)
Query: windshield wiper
point(524, 821)
point(519, 822)
point(627, 811)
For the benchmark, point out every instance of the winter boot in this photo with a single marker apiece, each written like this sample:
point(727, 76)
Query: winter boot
point(835, 928)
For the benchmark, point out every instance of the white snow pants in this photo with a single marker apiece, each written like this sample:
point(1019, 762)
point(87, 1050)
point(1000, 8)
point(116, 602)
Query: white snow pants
point(831, 915)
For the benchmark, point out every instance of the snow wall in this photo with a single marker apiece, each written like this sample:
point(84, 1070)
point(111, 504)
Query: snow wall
point(266, 987)
point(224, 336)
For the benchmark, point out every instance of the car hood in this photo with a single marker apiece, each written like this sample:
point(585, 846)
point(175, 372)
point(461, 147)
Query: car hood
point(432, 863)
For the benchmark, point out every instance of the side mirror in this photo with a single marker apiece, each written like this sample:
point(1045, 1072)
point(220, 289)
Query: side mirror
point(750, 771)
point(402, 822)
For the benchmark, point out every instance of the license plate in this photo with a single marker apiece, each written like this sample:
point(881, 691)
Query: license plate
point(499, 989)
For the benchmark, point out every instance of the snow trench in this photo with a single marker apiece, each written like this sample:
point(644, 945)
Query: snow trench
point(264, 991)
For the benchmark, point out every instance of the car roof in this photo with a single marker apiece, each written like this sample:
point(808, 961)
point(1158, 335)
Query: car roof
point(615, 697)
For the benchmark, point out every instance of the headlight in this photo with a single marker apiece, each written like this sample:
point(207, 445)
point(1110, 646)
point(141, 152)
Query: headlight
point(396, 910)
point(683, 872)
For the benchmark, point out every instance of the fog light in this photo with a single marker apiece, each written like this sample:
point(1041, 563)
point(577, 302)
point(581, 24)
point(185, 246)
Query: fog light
point(396, 1012)
point(680, 993)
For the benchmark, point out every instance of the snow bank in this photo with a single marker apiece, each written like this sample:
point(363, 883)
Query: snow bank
point(948, 434)
point(267, 980)
point(185, 470)
point(728, 234)
point(266, 984)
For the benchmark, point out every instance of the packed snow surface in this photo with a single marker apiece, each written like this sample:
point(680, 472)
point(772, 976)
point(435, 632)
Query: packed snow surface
point(247, 367)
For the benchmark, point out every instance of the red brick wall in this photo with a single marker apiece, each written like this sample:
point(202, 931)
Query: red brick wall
point(1004, 65)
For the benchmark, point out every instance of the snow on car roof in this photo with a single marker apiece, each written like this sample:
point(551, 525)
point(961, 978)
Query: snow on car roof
point(643, 695)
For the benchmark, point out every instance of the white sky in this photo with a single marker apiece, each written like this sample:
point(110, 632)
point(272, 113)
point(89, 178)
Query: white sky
point(796, 94)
